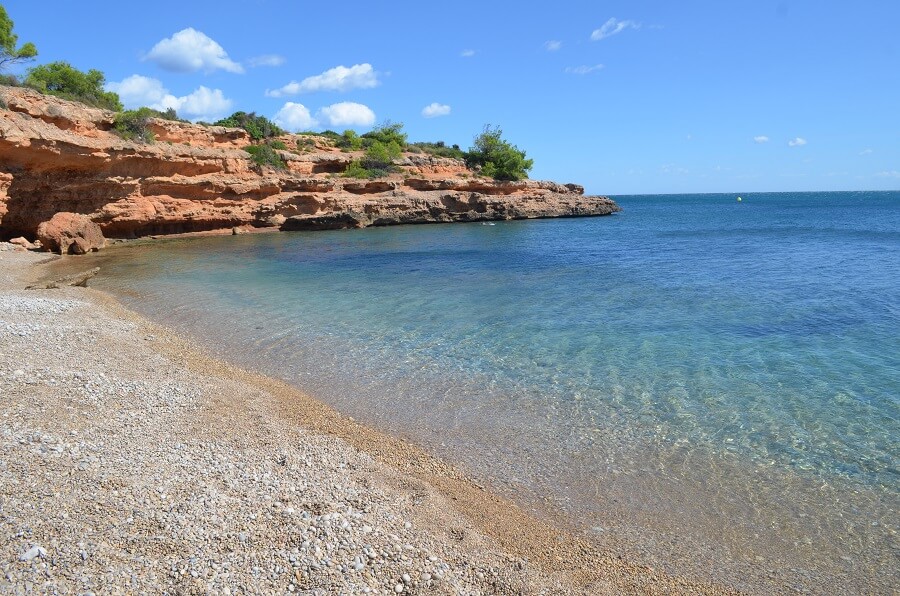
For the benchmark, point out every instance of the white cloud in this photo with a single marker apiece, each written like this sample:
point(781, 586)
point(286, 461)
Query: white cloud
point(346, 113)
point(797, 142)
point(295, 117)
point(889, 174)
point(266, 60)
point(467, 53)
point(190, 50)
point(866, 152)
point(552, 45)
point(202, 104)
point(761, 139)
point(435, 109)
point(583, 69)
point(137, 91)
point(612, 27)
point(339, 78)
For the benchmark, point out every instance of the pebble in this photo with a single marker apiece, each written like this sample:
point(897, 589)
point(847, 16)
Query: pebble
point(33, 552)
point(141, 475)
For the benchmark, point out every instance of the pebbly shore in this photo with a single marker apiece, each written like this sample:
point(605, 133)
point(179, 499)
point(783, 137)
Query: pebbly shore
point(134, 463)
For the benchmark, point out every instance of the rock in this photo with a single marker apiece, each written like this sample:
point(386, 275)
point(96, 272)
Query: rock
point(23, 242)
point(339, 221)
point(76, 279)
point(32, 553)
point(70, 233)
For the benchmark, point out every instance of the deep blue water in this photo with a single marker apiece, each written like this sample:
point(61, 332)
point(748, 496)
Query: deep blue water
point(691, 349)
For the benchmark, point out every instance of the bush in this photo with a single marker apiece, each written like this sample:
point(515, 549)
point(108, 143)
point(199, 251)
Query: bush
point(439, 149)
point(350, 140)
point(355, 169)
point(381, 156)
point(266, 155)
point(278, 145)
point(259, 127)
point(133, 124)
point(305, 144)
point(385, 134)
point(62, 80)
point(496, 157)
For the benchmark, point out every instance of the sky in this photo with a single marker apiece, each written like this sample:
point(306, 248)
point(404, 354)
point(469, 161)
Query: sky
point(628, 97)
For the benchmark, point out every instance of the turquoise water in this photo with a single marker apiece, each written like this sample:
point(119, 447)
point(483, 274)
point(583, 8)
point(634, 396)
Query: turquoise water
point(691, 379)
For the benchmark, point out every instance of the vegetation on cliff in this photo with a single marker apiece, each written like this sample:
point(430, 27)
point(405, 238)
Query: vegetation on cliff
point(258, 127)
point(63, 80)
point(498, 158)
point(266, 154)
point(135, 124)
point(9, 53)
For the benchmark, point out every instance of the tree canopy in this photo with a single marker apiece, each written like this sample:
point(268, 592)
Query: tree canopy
point(498, 158)
point(9, 53)
point(63, 80)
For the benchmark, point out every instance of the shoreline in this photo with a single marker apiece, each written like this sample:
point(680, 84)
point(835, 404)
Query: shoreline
point(395, 490)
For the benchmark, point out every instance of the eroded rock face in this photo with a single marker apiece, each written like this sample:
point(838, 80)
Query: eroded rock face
point(62, 157)
point(70, 233)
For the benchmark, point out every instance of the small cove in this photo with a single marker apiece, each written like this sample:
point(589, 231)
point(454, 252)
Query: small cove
point(705, 385)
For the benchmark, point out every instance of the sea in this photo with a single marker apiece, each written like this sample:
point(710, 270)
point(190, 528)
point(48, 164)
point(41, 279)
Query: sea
point(705, 385)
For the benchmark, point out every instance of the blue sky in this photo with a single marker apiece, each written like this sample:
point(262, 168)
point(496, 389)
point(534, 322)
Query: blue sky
point(623, 97)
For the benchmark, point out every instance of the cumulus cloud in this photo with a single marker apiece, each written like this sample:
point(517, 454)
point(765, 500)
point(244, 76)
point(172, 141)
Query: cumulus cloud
point(295, 117)
point(552, 45)
point(583, 69)
point(346, 113)
point(467, 53)
point(266, 60)
point(612, 27)
point(190, 50)
point(761, 139)
point(797, 142)
point(435, 109)
point(866, 152)
point(202, 104)
point(889, 174)
point(339, 78)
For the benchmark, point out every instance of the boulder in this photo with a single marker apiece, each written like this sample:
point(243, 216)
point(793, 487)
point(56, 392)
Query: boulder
point(70, 233)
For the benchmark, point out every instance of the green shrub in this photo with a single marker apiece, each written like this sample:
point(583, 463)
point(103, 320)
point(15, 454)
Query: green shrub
point(259, 127)
point(350, 140)
point(266, 155)
point(389, 132)
point(380, 156)
point(278, 145)
point(439, 149)
point(496, 157)
point(62, 80)
point(134, 125)
point(305, 144)
point(355, 169)
point(10, 80)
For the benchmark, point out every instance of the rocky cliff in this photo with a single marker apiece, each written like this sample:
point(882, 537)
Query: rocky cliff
point(59, 156)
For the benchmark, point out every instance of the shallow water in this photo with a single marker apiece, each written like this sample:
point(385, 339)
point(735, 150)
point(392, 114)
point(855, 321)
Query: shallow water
point(707, 385)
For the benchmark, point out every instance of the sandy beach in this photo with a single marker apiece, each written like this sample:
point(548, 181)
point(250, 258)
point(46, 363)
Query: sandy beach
point(134, 463)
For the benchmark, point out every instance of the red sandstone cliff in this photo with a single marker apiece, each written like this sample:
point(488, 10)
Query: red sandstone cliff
point(59, 156)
